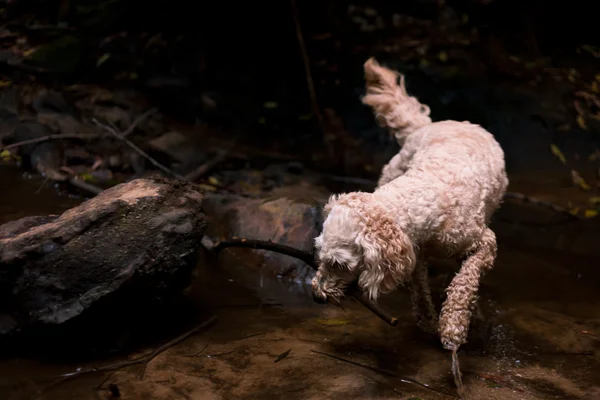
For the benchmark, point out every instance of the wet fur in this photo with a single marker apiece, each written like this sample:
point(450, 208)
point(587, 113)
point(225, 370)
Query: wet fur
point(435, 198)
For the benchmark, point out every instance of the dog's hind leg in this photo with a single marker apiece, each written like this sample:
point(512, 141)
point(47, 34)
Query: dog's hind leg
point(422, 304)
point(462, 292)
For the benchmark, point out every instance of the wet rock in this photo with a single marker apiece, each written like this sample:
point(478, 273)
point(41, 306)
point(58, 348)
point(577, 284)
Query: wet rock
point(132, 244)
point(280, 220)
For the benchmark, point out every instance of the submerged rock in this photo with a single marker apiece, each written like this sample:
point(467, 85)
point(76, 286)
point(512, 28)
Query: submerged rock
point(136, 241)
point(280, 220)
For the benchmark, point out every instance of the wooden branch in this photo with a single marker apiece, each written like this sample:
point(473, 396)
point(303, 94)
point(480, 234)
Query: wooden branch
point(141, 118)
point(386, 373)
point(309, 79)
point(144, 360)
point(309, 259)
point(207, 166)
point(81, 136)
point(141, 152)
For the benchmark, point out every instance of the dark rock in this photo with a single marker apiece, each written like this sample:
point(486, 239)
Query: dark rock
point(133, 243)
point(280, 220)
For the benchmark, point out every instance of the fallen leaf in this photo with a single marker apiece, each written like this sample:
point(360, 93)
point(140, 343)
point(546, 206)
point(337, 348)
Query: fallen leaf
point(579, 181)
point(443, 56)
point(206, 187)
point(5, 83)
point(86, 177)
point(581, 122)
point(213, 181)
point(590, 213)
point(332, 321)
point(557, 153)
point(102, 59)
point(270, 104)
point(595, 200)
point(574, 211)
point(29, 52)
point(282, 355)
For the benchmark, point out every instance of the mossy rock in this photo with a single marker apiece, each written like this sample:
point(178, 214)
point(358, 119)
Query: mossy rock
point(63, 55)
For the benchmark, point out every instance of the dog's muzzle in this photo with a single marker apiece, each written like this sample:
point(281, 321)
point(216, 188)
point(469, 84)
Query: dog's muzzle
point(319, 299)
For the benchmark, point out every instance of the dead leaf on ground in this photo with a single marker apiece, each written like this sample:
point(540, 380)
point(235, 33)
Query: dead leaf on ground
point(558, 153)
point(579, 181)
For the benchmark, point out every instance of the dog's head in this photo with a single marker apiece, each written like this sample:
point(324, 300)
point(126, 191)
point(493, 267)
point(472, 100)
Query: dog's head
point(360, 243)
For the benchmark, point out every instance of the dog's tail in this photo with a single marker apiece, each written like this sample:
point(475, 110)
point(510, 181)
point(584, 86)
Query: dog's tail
point(392, 105)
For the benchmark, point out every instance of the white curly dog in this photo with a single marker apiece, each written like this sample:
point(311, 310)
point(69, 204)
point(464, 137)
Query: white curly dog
point(434, 199)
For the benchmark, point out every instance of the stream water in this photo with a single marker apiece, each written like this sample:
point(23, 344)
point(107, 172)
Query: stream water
point(536, 336)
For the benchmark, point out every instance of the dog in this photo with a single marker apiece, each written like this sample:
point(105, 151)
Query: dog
point(434, 198)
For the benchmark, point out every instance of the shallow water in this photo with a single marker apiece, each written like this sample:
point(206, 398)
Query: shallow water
point(536, 336)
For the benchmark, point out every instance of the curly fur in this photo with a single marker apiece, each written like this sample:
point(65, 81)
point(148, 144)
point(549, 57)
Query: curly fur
point(435, 199)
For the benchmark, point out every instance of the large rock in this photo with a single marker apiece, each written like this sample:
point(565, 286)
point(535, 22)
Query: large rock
point(280, 220)
point(136, 240)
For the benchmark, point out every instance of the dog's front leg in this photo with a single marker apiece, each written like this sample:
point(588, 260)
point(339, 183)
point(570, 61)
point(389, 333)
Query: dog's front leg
point(462, 292)
point(420, 295)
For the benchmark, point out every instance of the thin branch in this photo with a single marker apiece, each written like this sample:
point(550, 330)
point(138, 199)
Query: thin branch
point(88, 187)
point(141, 118)
point(541, 203)
point(207, 166)
point(309, 79)
point(141, 152)
point(302, 255)
point(386, 373)
point(82, 136)
point(143, 359)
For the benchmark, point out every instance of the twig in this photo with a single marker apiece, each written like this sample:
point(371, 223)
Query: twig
point(386, 373)
point(207, 166)
point(82, 136)
point(88, 187)
point(307, 69)
point(138, 121)
point(140, 360)
point(308, 258)
point(196, 354)
point(541, 203)
point(137, 149)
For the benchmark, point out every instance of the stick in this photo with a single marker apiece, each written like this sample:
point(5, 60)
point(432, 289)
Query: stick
point(386, 373)
point(138, 121)
point(207, 166)
point(88, 187)
point(306, 59)
point(82, 136)
point(140, 360)
point(138, 150)
point(308, 258)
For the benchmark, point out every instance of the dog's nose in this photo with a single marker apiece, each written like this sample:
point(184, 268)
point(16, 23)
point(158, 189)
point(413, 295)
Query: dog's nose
point(319, 299)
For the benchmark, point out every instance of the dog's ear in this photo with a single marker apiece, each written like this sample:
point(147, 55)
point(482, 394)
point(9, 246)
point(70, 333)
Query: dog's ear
point(388, 257)
point(329, 205)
